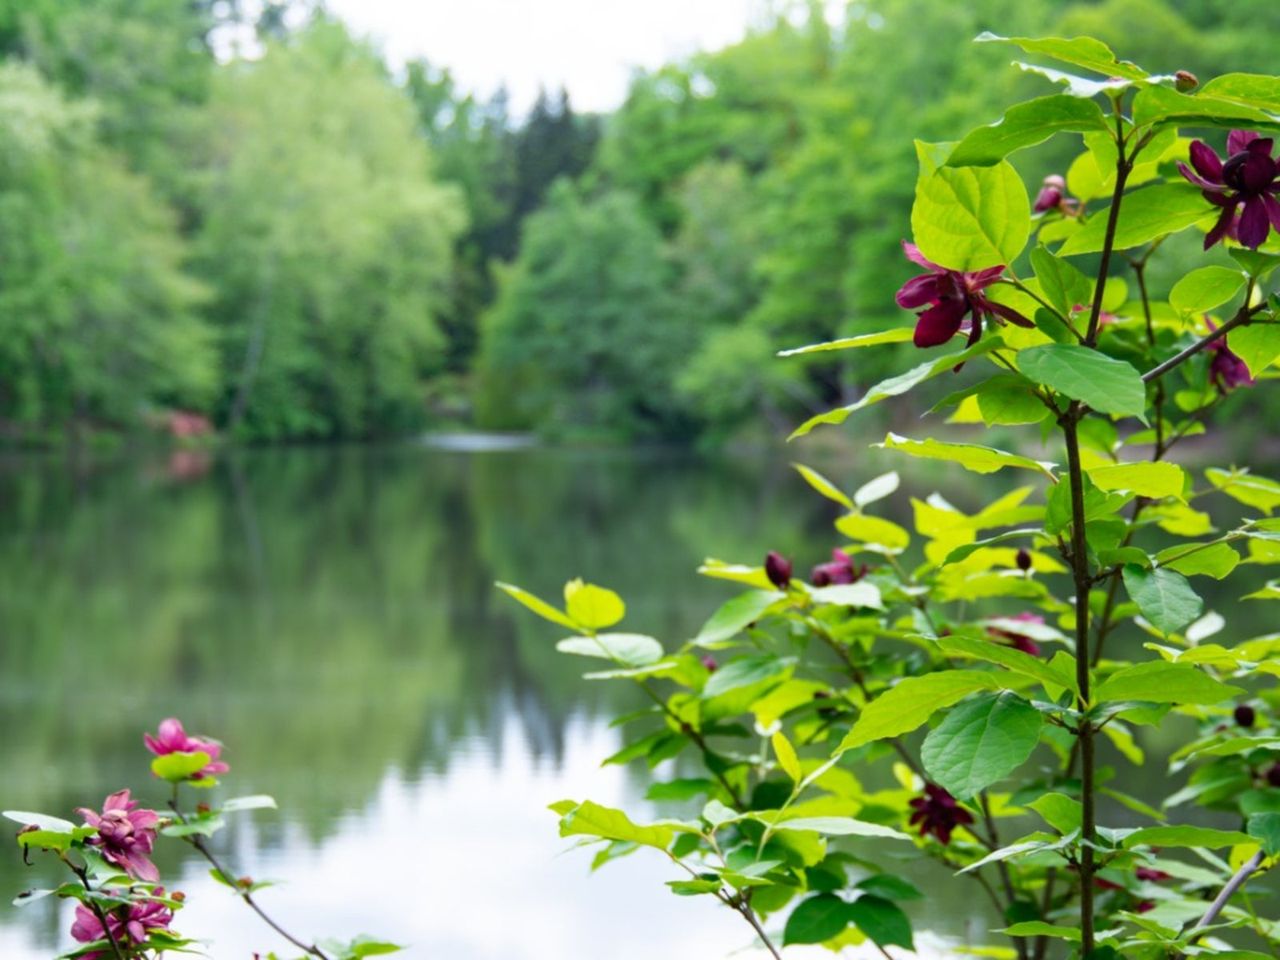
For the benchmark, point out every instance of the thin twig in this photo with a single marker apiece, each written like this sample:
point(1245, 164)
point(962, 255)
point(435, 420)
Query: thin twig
point(1237, 881)
point(1243, 316)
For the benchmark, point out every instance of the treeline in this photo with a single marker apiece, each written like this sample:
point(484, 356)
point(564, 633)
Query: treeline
point(302, 243)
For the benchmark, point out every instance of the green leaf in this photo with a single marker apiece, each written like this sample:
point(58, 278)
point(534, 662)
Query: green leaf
point(971, 456)
point(735, 615)
point(1059, 811)
point(680, 789)
point(1079, 51)
point(1203, 289)
point(786, 754)
point(882, 921)
point(900, 384)
point(840, 827)
point(816, 920)
point(745, 672)
point(1265, 827)
point(537, 605)
point(981, 742)
point(1247, 89)
point(1156, 480)
point(959, 644)
point(860, 594)
point(1061, 283)
point(1250, 489)
point(1145, 214)
point(177, 767)
point(1211, 560)
point(1164, 597)
point(592, 607)
point(1104, 383)
point(909, 704)
point(1038, 928)
point(1162, 105)
point(627, 649)
point(1184, 837)
point(1009, 401)
point(259, 801)
point(890, 887)
point(1025, 125)
point(1163, 682)
point(876, 489)
point(823, 485)
point(1257, 344)
point(1077, 86)
point(896, 335)
point(971, 218)
point(592, 820)
point(45, 840)
point(874, 530)
point(41, 820)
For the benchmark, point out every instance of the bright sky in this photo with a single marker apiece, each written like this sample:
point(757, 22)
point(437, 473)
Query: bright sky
point(589, 46)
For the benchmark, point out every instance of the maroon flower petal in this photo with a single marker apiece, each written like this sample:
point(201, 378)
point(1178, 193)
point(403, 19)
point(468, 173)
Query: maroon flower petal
point(1008, 313)
point(915, 256)
point(1221, 228)
point(939, 324)
point(919, 291)
point(1206, 162)
point(1273, 209)
point(1202, 182)
point(1239, 140)
point(1262, 145)
point(984, 278)
point(1254, 223)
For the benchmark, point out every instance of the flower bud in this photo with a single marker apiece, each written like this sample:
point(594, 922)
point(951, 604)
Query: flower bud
point(1184, 81)
point(1051, 194)
point(778, 569)
point(1245, 715)
point(1024, 559)
point(178, 895)
point(245, 882)
point(709, 662)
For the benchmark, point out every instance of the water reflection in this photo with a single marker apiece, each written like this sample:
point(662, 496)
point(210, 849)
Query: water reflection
point(330, 614)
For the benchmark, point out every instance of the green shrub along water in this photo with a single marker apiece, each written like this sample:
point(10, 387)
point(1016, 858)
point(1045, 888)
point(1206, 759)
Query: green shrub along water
point(182, 231)
point(976, 652)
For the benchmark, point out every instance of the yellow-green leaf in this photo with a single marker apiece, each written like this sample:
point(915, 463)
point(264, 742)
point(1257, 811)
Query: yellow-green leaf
point(971, 456)
point(592, 607)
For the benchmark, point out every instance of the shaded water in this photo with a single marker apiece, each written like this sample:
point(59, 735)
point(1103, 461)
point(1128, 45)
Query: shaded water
point(330, 615)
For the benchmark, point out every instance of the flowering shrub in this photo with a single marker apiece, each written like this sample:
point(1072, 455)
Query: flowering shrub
point(957, 689)
point(123, 913)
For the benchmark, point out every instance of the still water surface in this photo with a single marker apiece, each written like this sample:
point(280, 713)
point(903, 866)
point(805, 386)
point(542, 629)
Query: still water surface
point(329, 614)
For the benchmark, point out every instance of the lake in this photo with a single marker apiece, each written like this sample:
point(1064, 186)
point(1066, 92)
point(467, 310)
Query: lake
point(330, 615)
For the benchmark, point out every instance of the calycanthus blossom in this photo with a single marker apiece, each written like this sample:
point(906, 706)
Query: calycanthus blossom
point(937, 812)
point(1244, 187)
point(172, 738)
point(954, 299)
point(1017, 640)
point(1226, 370)
point(129, 927)
point(125, 835)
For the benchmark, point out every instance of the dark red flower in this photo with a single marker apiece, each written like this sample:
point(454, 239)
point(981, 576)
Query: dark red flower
point(1023, 559)
point(1245, 715)
point(1151, 874)
point(1244, 187)
point(938, 813)
point(840, 569)
point(1226, 370)
point(778, 569)
point(953, 298)
point(1273, 775)
point(1019, 641)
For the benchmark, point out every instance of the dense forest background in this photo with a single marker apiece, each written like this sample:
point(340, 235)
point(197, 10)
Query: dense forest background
point(244, 219)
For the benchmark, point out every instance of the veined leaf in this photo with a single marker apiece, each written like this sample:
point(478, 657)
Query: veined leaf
point(896, 386)
point(1257, 345)
point(1145, 214)
point(735, 615)
point(910, 703)
point(981, 742)
point(1025, 125)
point(1078, 51)
point(1163, 105)
point(1205, 288)
point(971, 456)
point(1104, 383)
point(627, 649)
point(1185, 836)
point(1163, 682)
point(823, 485)
point(592, 820)
point(1164, 597)
point(1248, 89)
point(876, 489)
point(537, 605)
point(896, 335)
point(1156, 480)
point(971, 218)
point(592, 607)
point(958, 644)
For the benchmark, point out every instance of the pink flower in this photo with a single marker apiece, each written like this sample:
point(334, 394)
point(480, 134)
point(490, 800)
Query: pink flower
point(1020, 641)
point(129, 926)
point(1051, 194)
point(125, 835)
point(172, 738)
point(1244, 187)
point(952, 296)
